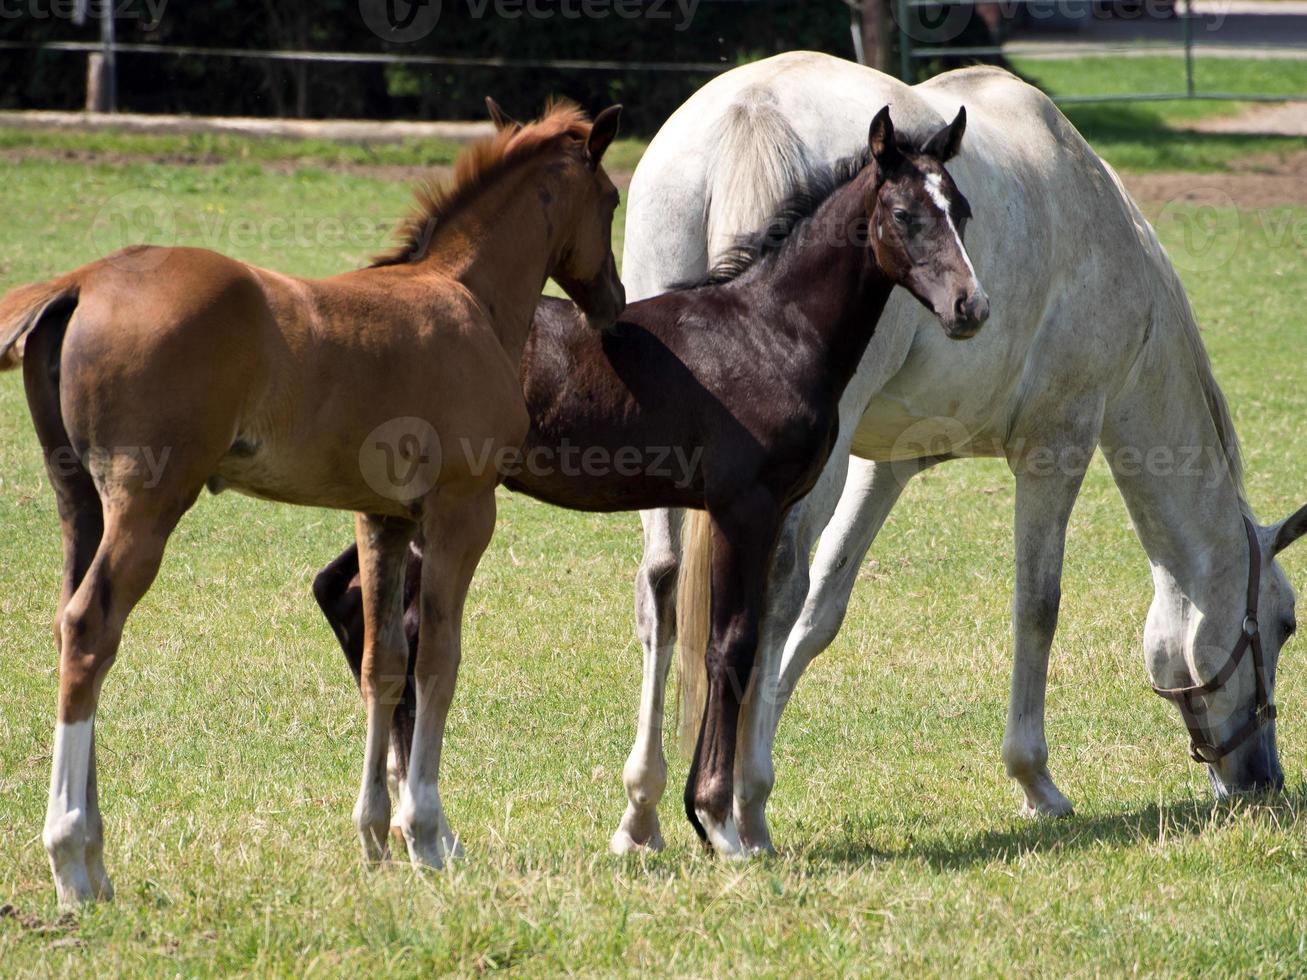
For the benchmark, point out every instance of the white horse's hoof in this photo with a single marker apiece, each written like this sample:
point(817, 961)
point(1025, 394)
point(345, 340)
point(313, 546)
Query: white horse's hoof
point(1051, 806)
point(435, 856)
point(638, 832)
point(724, 837)
point(101, 886)
point(623, 843)
point(752, 828)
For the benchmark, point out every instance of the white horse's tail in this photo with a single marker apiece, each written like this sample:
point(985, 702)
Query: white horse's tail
point(758, 162)
point(693, 593)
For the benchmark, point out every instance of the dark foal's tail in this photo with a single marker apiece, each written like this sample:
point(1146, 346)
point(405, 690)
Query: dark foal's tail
point(340, 598)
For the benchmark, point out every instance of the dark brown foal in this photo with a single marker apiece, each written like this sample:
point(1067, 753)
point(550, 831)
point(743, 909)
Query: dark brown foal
point(741, 376)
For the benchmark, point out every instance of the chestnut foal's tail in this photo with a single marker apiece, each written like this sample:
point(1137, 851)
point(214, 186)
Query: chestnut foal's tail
point(21, 310)
point(693, 594)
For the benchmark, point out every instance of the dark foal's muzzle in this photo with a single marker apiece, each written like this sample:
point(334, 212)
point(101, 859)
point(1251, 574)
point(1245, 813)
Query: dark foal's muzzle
point(969, 312)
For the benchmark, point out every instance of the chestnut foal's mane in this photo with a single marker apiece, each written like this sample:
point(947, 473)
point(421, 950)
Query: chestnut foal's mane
point(475, 167)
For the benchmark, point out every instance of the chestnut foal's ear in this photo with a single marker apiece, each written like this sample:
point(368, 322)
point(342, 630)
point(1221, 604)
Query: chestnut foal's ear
point(601, 134)
point(944, 145)
point(499, 117)
point(880, 139)
point(1290, 530)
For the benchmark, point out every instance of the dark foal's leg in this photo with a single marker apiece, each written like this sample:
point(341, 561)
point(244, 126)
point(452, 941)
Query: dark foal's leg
point(340, 597)
point(744, 536)
point(336, 589)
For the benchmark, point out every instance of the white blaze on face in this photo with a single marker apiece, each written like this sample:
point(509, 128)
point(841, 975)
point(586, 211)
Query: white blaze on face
point(935, 188)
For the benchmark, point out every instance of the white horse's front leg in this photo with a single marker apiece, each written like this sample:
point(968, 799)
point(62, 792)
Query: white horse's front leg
point(645, 773)
point(870, 493)
point(806, 609)
point(1043, 507)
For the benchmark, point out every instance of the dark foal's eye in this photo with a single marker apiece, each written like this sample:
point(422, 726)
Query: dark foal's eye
point(902, 218)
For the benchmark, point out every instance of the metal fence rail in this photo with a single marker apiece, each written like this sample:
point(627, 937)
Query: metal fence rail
point(374, 57)
point(911, 53)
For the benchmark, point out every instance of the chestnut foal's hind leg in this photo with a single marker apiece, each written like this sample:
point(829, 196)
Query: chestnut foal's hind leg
point(382, 551)
point(742, 543)
point(125, 564)
point(456, 532)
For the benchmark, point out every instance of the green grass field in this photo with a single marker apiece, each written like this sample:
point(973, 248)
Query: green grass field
point(230, 733)
point(1151, 135)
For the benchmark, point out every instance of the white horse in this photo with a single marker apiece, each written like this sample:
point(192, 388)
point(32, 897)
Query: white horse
point(1091, 343)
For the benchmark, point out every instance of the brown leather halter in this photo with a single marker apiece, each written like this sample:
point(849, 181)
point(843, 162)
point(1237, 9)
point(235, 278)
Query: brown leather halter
point(1200, 749)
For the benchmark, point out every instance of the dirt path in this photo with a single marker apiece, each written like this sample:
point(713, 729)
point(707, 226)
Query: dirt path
point(345, 130)
point(1281, 119)
point(1258, 182)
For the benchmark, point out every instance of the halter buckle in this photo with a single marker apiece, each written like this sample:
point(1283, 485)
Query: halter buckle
point(1196, 753)
point(1250, 625)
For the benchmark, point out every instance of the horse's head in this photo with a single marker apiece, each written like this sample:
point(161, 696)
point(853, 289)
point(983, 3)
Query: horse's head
point(917, 217)
point(1230, 666)
point(584, 266)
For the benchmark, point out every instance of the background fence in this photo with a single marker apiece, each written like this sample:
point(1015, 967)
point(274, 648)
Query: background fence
point(388, 59)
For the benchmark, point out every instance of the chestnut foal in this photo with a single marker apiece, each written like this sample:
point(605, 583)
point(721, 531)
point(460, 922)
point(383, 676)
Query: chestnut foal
point(335, 393)
point(743, 373)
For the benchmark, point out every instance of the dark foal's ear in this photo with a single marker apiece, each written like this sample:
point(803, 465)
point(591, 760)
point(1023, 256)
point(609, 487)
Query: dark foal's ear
point(601, 134)
point(499, 117)
point(1290, 530)
point(944, 145)
point(881, 141)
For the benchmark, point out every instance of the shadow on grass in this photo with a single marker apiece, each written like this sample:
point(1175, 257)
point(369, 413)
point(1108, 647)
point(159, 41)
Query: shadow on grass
point(1139, 138)
point(1142, 825)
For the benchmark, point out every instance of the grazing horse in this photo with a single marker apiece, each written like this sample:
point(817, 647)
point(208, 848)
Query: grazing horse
point(742, 377)
point(337, 393)
point(1093, 344)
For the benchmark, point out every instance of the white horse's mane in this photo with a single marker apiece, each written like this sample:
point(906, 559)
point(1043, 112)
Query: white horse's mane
point(1216, 404)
